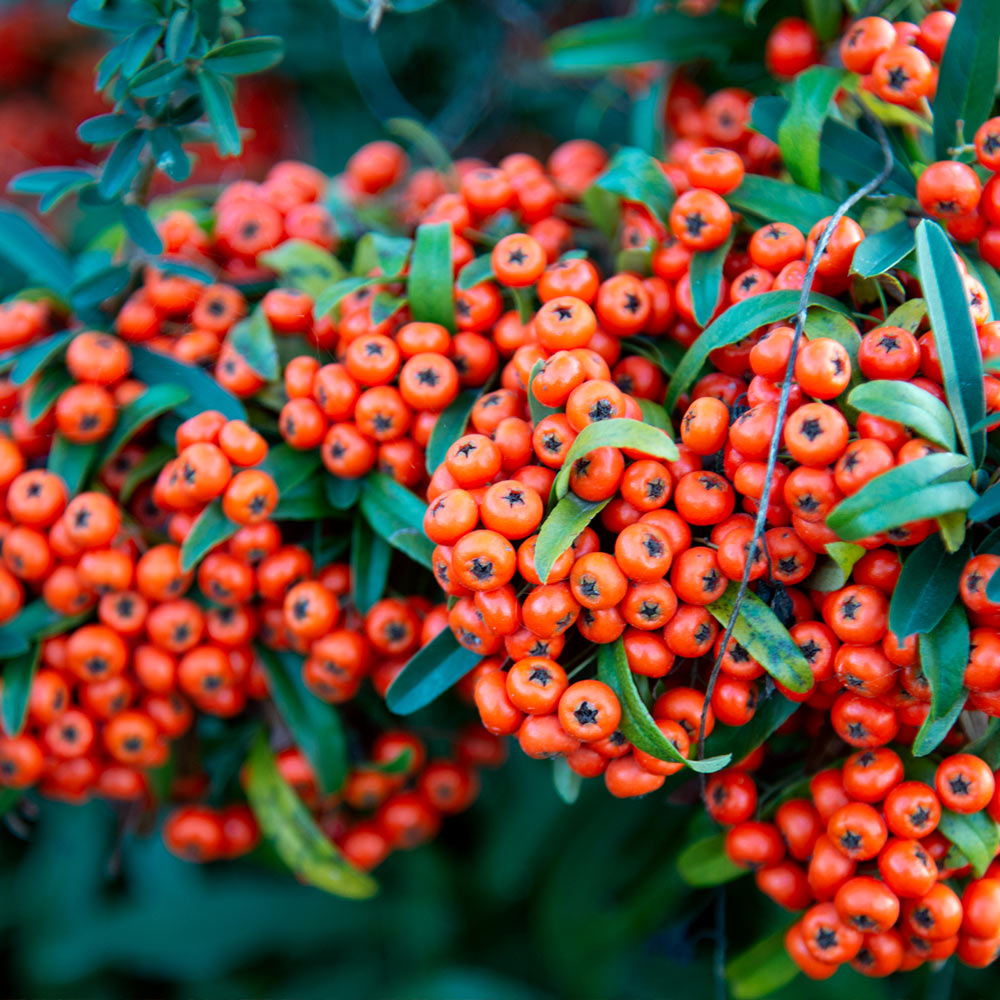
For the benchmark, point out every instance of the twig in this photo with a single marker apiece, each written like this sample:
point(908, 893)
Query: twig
point(786, 388)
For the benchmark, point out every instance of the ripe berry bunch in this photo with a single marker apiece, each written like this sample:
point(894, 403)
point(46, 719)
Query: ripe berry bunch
point(862, 859)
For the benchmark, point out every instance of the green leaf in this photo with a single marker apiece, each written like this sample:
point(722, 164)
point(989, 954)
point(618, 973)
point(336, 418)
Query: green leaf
point(52, 383)
point(315, 725)
point(210, 529)
point(246, 55)
point(157, 399)
point(944, 651)
point(147, 467)
point(478, 270)
point(138, 48)
point(156, 80)
point(655, 416)
point(384, 306)
point(800, 129)
point(619, 432)
point(882, 251)
point(17, 677)
point(72, 463)
point(342, 493)
point(751, 8)
point(305, 502)
point(773, 710)
point(296, 838)
point(737, 322)
point(253, 340)
point(975, 835)
point(761, 970)
point(987, 506)
point(635, 176)
point(908, 316)
point(180, 35)
point(429, 286)
point(833, 572)
point(561, 528)
point(123, 164)
point(450, 426)
point(638, 726)
point(706, 281)
point(289, 467)
point(34, 621)
point(844, 151)
point(968, 76)
point(826, 17)
point(909, 405)
point(926, 588)
point(414, 544)
point(95, 286)
point(168, 152)
point(39, 355)
point(141, 231)
point(954, 335)
point(760, 633)
point(391, 508)
point(927, 487)
point(305, 266)
point(206, 394)
point(370, 558)
point(32, 252)
point(704, 863)
point(219, 108)
point(331, 297)
point(771, 200)
point(51, 183)
point(429, 673)
point(97, 131)
point(390, 253)
point(539, 411)
point(422, 139)
point(565, 781)
point(605, 45)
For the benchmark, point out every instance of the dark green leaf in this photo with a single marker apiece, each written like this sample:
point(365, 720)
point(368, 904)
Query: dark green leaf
point(927, 586)
point(450, 426)
point(314, 724)
point(760, 633)
point(737, 322)
point(342, 493)
point(478, 270)
point(844, 151)
point(147, 467)
point(927, 487)
point(882, 251)
point(168, 152)
point(305, 502)
point(539, 411)
point(601, 46)
point(565, 781)
point(92, 288)
point(206, 394)
point(975, 835)
point(136, 415)
point(210, 529)
point(390, 252)
point(429, 286)
point(384, 306)
point(909, 405)
point(761, 970)
point(637, 724)
point(968, 76)
point(140, 229)
point(253, 341)
point(620, 432)
point(370, 558)
point(50, 386)
point(799, 132)
point(954, 334)
point(635, 176)
point(72, 463)
point(561, 528)
point(17, 677)
point(123, 164)
point(704, 863)
point(771, 200)
point(180, 34)
point(826, 17)
point(707, 287)
point(139, 46)
point(296, 838)
point(429, 673)
point(987, 506)
point(773, 710)
point(39, 355)
point(51, 183)
point(751, 8)
point(328, 300)
point(246, 55)
point(944, 651)
point(156, 80)
point(102, 129)
point(219, 108)
point(414, 544)
point(288, 466)
point(32, 252)
point(423, 140)
point(391, 509)
point(305, 266)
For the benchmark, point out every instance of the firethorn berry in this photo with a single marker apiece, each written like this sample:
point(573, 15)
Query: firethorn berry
point(964, 783)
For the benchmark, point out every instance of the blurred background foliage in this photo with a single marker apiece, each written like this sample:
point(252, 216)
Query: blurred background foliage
point(524, 897)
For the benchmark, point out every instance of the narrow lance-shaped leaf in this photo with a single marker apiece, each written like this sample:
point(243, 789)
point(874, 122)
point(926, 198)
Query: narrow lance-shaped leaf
point(976, 835)
point(944, 651)
point(909, 405)
point(704, 863)
point(881, 251)
point(370, 558)
point(17, 677)
point(289, 826)
point(429, 286)
point(561, 528)
point(450, 426)
point(429, 673)
point(706, 281)
point(211, 528)
point(927, 586)
point(771, 200)
point(800, 129)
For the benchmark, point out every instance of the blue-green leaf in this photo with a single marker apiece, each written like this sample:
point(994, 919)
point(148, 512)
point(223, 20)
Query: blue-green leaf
point(800, 129)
